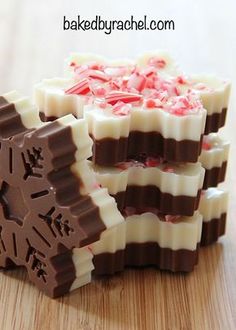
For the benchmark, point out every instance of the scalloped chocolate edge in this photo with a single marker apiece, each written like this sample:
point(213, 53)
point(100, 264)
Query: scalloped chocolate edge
point(145, 254)
point(150, 144)
point(45, 244)
point(152, 196)
point(212, 230)
point(214, 176)
point(215, 121)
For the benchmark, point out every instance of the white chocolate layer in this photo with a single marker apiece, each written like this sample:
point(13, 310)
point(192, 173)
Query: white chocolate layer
point(213, 203)
point(217, 154)
point(27, 111)
point(51, 99)
point(147, 227)
point(186, 180)
point(103, 123)
point(112, 240)
point(82, 259)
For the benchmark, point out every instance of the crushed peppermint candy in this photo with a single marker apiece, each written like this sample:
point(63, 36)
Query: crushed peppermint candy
point(168, 169)
point(81, 88)
point(121, 109)
point(181, 80)
point(157, 62)
point(184, 105)
point(124, 165)
point(172, 218)
point(153, 103)
point(99, 91)
point(206, 144)
point(116, 96)
point(137, 81)
point(98, 75)
point(120, 85)
point(152, 162)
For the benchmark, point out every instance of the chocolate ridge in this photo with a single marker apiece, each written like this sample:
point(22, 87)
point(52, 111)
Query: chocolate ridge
point(215, 121)
point(10, 119)
point(214, 176)
point(145, 254)
point(150, 144)
point(213, 229)
point(152, 196)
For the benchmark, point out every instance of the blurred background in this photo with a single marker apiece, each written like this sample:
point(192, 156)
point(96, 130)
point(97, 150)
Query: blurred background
point(33, 43)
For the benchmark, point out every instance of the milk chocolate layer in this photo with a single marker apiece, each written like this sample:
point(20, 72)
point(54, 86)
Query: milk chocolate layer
point(145, 254)
point(45, 118)
point(42, 213)
point(214, 176)
point(215, 121)
point(151, 196)
point(108, 151)
point(10, 120)
point(213, 229)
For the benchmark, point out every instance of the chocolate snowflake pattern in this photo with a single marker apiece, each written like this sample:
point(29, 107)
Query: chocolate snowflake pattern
point(43, 214)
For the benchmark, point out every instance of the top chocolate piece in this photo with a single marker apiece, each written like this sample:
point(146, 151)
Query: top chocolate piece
point(132, 108)
point(50, 201)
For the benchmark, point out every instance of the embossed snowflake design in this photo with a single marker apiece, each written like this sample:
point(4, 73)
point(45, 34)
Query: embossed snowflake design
point(41, 219)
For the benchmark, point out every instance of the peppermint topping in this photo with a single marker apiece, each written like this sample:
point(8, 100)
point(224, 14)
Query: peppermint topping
point(115, 86)
point(183, 105)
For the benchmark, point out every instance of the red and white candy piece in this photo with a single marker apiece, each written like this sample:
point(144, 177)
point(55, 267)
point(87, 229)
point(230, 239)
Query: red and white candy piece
point(152, 162)
point(172, 218)
point(206, 144)
point(121, 109)
point(116, 96)
point(81, 88)
point(137, 81)
point(157, 62)
point(98, 75)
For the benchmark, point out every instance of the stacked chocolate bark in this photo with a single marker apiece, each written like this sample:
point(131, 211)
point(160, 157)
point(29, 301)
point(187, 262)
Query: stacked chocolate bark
point(154, 148)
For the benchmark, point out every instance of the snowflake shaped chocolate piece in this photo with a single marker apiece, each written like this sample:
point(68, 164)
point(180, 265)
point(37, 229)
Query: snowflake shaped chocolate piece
point(50, 202)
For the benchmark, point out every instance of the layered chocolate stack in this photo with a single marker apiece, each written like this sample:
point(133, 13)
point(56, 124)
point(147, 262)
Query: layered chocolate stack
point(119, 185)
point(147, 122)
